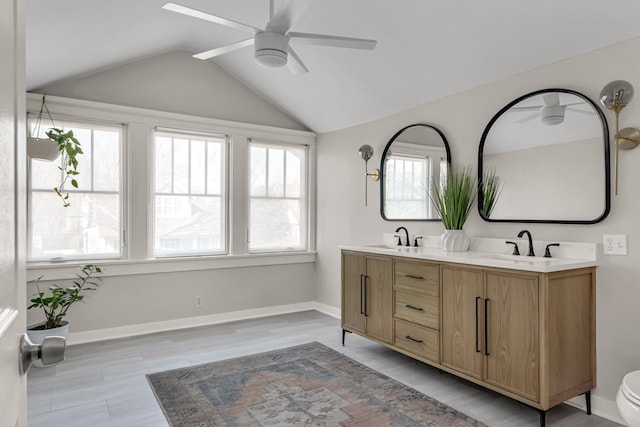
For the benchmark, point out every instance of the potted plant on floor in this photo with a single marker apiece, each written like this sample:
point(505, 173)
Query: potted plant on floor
point(56, 304)
point(453, 201)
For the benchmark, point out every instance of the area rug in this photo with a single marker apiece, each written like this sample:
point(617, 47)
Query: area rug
point(306, 385)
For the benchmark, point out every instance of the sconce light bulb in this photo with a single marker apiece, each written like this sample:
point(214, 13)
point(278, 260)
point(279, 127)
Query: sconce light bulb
point(366, 152)
point(616, 95)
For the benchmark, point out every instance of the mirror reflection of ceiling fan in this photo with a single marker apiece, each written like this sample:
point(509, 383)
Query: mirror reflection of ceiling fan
point(552, 112)
point(271, 45)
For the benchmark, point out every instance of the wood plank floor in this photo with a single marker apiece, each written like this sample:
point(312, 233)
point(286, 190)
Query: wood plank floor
point(103, 384)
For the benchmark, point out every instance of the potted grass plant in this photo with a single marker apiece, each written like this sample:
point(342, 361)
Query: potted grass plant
point(453, 201)
point(57, 302)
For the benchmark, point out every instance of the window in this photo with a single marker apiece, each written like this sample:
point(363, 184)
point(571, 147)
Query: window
point(278, 197)
point(190, 197)
point(92, 226)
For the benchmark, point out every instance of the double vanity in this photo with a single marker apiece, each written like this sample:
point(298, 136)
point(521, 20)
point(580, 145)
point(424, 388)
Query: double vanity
point(521, 326)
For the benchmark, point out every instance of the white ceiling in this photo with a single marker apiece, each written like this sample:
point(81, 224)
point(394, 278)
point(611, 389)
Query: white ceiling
point(426, 50)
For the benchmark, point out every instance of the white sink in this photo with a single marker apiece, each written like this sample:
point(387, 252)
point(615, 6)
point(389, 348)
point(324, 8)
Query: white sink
point(395, 248)
point(516, 258)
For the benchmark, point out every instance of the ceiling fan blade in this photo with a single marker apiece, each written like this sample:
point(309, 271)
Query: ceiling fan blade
point(520, 109)
point(209, 17)
point(295, 64)
point(529, 118)
point(577, 110)
point(284, 18)
point(333, 41)
point(224, 49)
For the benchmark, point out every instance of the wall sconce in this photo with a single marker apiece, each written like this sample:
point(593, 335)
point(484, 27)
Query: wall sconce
point(366, 152)
point(615, 96)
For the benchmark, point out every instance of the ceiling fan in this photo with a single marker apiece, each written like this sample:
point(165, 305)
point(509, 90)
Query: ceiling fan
point(272, 47)
point(551, 112)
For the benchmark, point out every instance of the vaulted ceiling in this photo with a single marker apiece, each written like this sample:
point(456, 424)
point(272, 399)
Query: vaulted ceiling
point(426, 49)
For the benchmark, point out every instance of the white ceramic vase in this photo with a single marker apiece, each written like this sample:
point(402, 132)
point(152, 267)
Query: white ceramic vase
point(38, 335)
point(455, 241)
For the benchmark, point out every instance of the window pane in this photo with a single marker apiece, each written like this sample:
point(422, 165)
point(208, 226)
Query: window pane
point(163, 164)
point(277, 210)
point(181, 166)
point(91, 227)
point(214, 171)
point(276, 173)
point(198, 167)
point(293, 172)
point(107, 160)
point(188, 224)
point(258, 175)
point(189, 212)
point(275, 224)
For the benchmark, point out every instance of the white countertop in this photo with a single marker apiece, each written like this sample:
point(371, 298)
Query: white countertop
point(584, 256)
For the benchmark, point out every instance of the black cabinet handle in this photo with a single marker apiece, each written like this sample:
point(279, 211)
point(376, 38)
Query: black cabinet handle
point(361, 293)
point(486, 328)
point(365, 295)
point(413, 276)
point(477, 338)
point(413, 307)
point(409, 337)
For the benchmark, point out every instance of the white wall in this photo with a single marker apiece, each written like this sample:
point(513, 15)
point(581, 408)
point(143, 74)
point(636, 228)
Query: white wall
point(343, 218)
point(177, 83)
point(142, 292)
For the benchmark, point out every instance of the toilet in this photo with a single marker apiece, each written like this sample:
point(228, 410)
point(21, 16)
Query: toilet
point(628, 399)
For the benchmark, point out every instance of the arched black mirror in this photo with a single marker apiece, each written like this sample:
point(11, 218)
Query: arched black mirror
point(550, 152)
point(415, 156)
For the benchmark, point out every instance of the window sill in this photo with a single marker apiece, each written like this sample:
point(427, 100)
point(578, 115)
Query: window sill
point(68, 269)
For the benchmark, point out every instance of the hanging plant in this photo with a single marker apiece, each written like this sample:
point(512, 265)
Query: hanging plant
point(69, 148)
point(42, 148)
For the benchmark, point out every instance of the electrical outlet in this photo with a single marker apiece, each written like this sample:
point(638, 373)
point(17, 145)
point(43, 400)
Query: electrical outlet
point(615, 244)
point(198, 301)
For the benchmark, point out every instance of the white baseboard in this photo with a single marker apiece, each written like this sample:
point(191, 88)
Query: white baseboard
point(191, 322)
point(600, 406)
point(327, 309)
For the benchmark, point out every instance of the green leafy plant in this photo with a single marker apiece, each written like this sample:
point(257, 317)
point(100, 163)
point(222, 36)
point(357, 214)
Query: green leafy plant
point(69, 148)
point(454, 199)
point(491, 188)
point(56, 305)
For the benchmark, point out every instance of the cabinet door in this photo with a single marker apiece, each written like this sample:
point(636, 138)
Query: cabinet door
point(353, 305)
point(379, 298)
point(513, 360)
point(461, 328)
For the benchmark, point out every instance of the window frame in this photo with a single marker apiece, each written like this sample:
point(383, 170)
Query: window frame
point(91, 123)
point(304, 189)
point(224, 189)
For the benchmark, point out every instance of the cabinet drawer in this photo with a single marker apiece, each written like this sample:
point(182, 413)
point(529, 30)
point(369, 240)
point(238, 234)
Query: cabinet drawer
point(421, 341)
point(417, 308)
point(417, 277)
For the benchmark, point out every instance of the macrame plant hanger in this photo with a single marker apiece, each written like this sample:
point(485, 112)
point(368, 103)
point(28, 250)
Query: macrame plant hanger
point(42, 148)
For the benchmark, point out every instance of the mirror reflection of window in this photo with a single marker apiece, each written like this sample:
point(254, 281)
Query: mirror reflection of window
point(407, 196)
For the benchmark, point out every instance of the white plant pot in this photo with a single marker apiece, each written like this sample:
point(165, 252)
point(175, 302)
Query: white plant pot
point(38, 335)
point(455, 241)
point(42, 148)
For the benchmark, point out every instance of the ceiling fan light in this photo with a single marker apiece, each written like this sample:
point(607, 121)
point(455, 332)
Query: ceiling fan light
point(552, 115)
point(271, 49)
point(271, 58)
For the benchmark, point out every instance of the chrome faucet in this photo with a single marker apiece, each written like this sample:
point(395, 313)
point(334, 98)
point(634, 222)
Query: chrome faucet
point(522, 233)
point(406, 232)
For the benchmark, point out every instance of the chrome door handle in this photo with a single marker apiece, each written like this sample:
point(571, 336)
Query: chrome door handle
point(50, 352)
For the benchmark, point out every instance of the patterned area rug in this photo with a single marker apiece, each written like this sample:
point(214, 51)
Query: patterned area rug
point(307, 385)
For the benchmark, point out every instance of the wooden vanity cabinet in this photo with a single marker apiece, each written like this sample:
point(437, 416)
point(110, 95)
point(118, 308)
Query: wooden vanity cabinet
point(367, 305)
point(527, 335)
